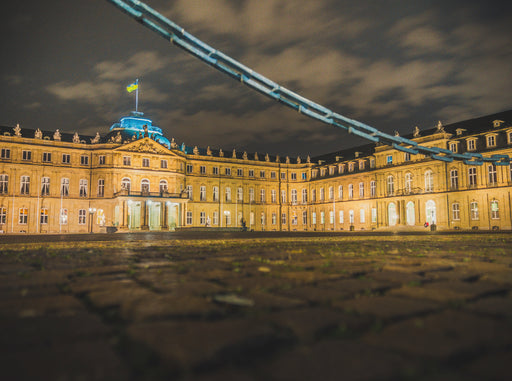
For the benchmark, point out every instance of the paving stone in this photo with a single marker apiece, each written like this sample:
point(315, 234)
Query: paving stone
point(499, 306)
point(307, 324)
point(269, 301)
point(40, 306)
point(118, 296)
point(448, 291)
point(87, 284)
point(159, 307)
point(442, 335)
point(338, 360)
point(81, 360)
point(386, 306)
point(192, 344)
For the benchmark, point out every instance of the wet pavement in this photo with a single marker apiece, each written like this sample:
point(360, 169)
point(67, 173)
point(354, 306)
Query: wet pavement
point(256, 306)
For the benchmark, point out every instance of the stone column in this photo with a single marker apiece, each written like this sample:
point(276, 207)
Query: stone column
point(124, 217)
point(165, 211)
point(144, 212)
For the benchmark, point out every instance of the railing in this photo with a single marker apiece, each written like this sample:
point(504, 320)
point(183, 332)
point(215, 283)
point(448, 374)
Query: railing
point(163, 194)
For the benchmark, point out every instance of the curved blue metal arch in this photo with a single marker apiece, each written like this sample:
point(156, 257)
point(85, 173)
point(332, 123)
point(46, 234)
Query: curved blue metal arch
point(172, 32)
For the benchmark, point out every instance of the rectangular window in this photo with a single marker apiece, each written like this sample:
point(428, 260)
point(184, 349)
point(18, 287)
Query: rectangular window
point(274, 219)
point(294, 176)
point(240, 194)
point(455, 211)
point(331, 217)
point(127, 160)
point(189, 218)
point(145, 162)
point(63, 217)
point(453, 147)
point(322, 218)
point(283, 176)
point(101, 187)
point(101, 160)
point(251, 172)
point(350, 191)
point(163, 164)
point(313, 218)
point(45, 186)
point(84, 160)
point(283, 196)
point(283, 218)
point(83, 188)
point(262, 195)
point(215, 170)
point(44, 216)
point(228, 194)
point(374, 215)
point(373, 188)
point(361, 165)
point(64, 187)
point(47, 157)
point(5, 153)
point(23, 216)
point(189, 192)
point(273, 175)
point(340, 192)
point(240, 172)
point(82, 217)
point(4, 184)
point(493, 178)
point(215, 220)
point(491, 141)
point(26, 155)
point(473, 207)
point(202, 170)
point(472, 177)
point(341, 216)
point(202, 194)
point(361, 190)
point(262, 174)
point(273, 196)
point(215, 193)
point(202, 218)
point(304, 218)
point(471, 145)
point(3, 216)
point(495, 211)
point(362, 216)
point(331, 193)
point(228, 171)
point(389, 159)
point(293, 197)
point(25, 185)
point(407, 156)
point(189, 168)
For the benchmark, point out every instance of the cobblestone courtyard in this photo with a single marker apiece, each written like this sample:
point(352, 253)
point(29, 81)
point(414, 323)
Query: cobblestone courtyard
point(304, 307)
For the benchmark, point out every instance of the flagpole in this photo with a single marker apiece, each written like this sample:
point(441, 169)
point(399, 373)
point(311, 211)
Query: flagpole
point(137, 96)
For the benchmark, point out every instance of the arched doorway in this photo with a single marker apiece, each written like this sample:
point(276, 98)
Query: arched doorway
point(392, 217)
point(430, 212)
point(410, 215)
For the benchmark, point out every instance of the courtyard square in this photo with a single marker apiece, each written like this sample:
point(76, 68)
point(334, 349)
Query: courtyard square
point(256, 306)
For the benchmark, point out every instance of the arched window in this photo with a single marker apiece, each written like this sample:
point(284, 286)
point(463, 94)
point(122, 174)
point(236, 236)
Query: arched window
point(495, 210)
point(350, 191)
point(410, 214)
point(126, 184)
point(163, 186)
point(64, 186)
point(340, 192)
point(473, 208)
point(429, 181)
point(392, 216)
point(144, 186)
point(390, 185)
point(430, 212)
point(304, 196)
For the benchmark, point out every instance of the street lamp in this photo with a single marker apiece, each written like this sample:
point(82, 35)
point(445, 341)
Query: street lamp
point(91, 215)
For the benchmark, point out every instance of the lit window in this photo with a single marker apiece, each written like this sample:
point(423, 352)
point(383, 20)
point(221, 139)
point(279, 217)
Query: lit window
point(362, 216)
point(304, 196)
point(294, 196)
point(408, 183)
point(389, 159)
point(63, 220)
point(23, 216)
point(473, 206)
point(215, 193)
point(273, 195)
point(44, 216)
point(322, 194)
point(341, 216)
point(340, 192)
point(429, 181)
point(453, 147)
point(373, 188)
point(361, 190)
point(495, 211)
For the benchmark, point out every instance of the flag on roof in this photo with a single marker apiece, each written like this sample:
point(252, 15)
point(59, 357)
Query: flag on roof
point(134, 86)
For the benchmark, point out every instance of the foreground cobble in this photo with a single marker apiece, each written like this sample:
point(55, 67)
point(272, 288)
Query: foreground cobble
point(396, 307)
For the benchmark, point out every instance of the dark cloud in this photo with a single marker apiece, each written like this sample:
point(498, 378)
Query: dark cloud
point(393, 64)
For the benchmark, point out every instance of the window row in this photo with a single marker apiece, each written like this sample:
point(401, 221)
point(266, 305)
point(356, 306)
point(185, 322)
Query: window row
point(47, 157)
point(25, 184)
point(23, 216)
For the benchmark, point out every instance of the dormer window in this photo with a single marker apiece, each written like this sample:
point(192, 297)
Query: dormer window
point(341, 167)
point(372, 163)
point(471, 144)
point(509, 137)
point(491, 141)
point(454, 147)
point(351, 167)
point(331, 170)
point(361, 165)
point(389, 159)
point(459, 131)
point(497, 123)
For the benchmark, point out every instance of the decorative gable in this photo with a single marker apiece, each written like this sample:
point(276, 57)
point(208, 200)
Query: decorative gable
point(145, 145)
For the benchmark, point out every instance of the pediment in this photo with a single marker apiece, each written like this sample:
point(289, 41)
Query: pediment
point(145, 145)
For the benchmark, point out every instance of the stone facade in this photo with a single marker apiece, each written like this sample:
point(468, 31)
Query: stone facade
point(57, 182)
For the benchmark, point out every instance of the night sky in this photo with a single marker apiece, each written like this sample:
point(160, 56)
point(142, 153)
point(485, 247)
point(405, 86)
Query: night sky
point(391, 64)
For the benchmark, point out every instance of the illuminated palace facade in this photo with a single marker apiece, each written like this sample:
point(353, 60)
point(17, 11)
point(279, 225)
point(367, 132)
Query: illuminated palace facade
point(135, 179)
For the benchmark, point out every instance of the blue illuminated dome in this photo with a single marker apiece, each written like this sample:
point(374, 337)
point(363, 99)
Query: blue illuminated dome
point(132, 127)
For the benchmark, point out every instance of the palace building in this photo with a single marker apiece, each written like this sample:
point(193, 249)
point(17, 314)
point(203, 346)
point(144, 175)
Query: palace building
point(134, 178)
